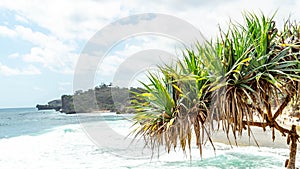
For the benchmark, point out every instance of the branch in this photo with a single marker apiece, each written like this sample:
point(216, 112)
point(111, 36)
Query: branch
point(281, 107)
point(268, 108)
point(281, 129)
point(263, 125)
point(257, 124)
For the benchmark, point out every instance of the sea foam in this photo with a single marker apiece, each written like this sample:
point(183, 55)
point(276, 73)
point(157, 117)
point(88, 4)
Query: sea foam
point(68, 147)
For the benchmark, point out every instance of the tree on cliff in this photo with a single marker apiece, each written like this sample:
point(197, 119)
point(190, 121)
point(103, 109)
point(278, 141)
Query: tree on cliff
point(102, 97)
point(250, 72)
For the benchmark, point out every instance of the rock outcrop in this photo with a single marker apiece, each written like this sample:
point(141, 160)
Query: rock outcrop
point(54, 104)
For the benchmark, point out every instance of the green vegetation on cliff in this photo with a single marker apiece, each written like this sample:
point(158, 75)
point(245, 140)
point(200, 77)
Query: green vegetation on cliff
point(101, 98)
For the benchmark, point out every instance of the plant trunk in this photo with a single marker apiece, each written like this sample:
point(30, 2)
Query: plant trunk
point(293, 148)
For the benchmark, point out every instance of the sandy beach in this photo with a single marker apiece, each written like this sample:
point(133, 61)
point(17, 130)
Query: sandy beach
point(263, 138)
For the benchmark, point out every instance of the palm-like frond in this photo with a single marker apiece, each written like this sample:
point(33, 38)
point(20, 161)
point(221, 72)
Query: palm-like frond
point(238, 76)
point(172, 107)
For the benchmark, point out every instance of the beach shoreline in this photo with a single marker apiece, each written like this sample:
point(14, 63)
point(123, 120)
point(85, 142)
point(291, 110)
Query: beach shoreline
point(263, 138)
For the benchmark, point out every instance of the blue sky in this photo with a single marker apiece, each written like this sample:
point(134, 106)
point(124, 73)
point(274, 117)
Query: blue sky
point(40, 43)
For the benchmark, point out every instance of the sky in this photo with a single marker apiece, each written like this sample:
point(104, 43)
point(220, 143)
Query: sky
point(42, 43)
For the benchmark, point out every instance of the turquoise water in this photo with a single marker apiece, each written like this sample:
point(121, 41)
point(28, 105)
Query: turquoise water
point(33, 139)
point(28, 121)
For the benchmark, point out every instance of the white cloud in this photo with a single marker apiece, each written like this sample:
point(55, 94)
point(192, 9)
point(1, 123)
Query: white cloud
point(109, 65)
point(68, 19)
point(112, 61)
point(71, 21)
point(21, 18)
point(7, 32)
point(30, 70)
point(207, 15)
point(54, 54)
point(52, 58)
point(14, 55)
point(7, 71)
point(36, 38)
point(48, 50)
point(145, 42)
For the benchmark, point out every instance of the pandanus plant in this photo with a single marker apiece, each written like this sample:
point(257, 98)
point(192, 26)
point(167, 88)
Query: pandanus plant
point(249, 70)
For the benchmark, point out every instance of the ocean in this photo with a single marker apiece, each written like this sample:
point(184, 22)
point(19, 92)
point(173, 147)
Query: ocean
point(31, 139)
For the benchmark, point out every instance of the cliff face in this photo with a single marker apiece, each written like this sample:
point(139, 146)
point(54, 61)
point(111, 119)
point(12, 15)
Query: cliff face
point(67, 104)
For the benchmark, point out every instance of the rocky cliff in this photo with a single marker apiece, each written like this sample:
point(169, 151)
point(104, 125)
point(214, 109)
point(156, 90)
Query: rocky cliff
point(101, 98)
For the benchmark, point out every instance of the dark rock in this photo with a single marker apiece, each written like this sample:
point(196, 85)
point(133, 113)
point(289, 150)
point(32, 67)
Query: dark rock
point(48, 107)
